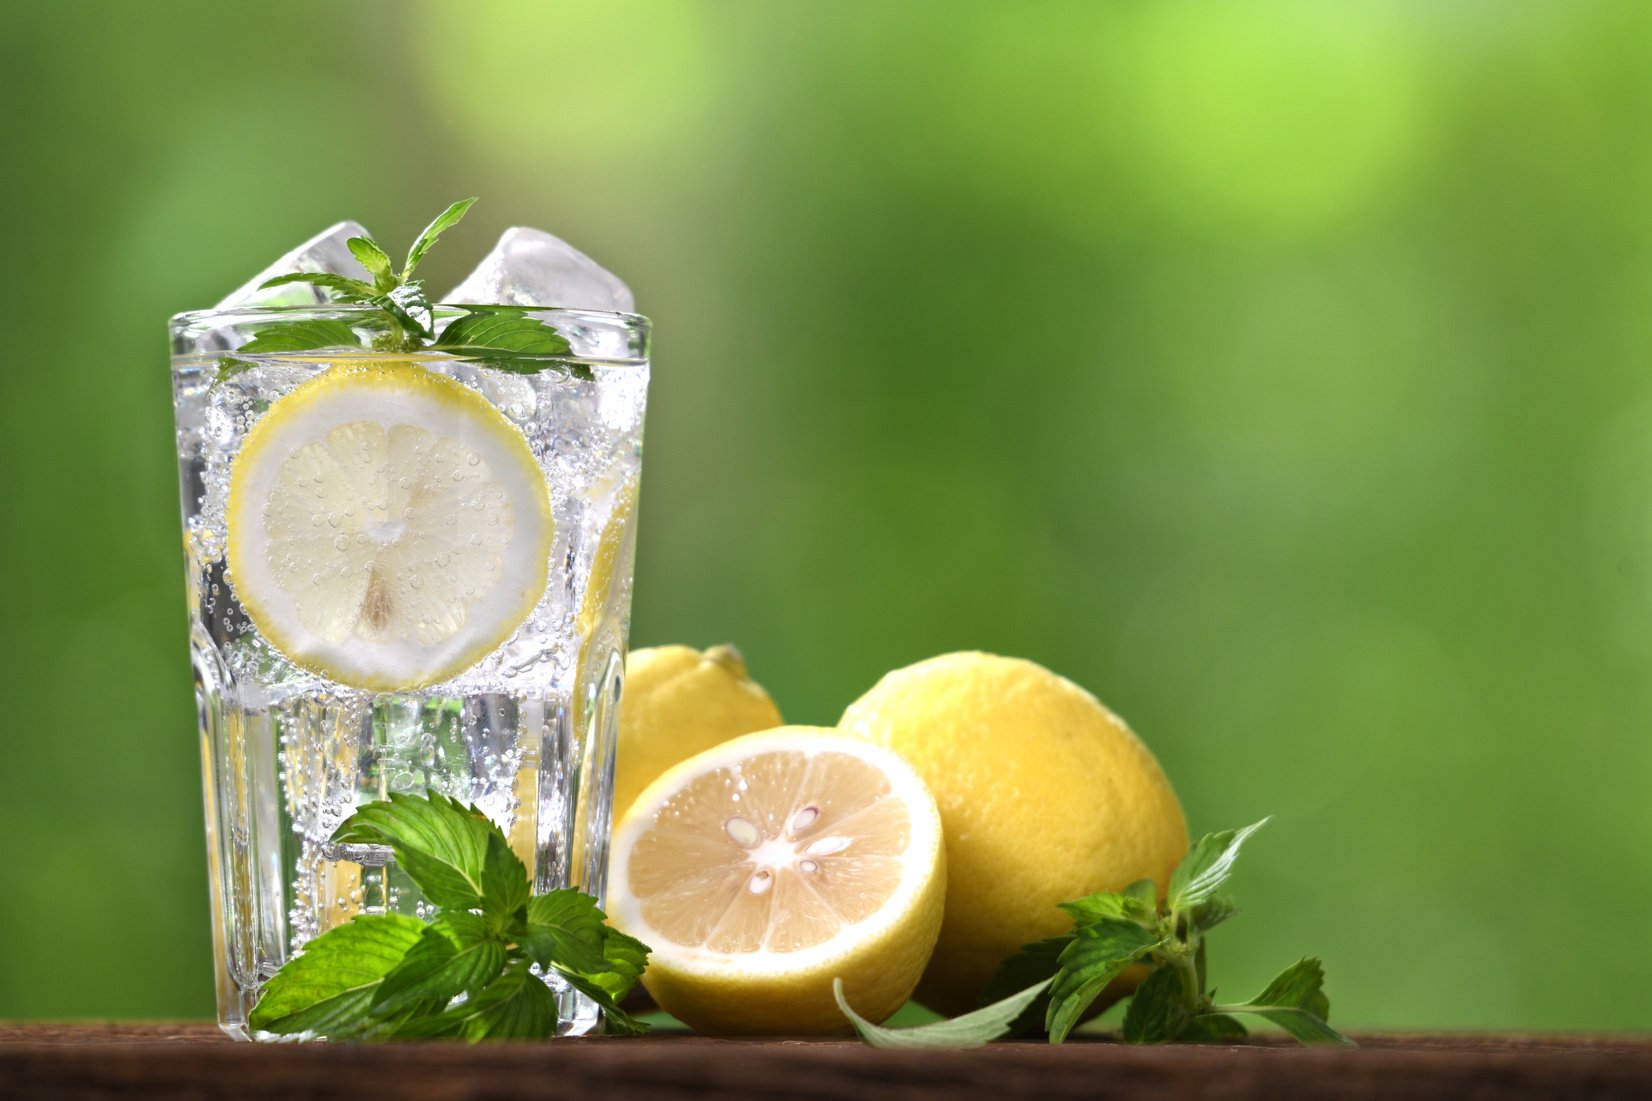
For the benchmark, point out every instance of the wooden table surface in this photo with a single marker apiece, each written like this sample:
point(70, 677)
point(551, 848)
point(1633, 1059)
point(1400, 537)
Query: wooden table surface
point(190, 1060)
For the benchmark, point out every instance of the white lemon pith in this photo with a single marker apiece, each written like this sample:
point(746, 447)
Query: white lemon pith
point(387, 526)
point(1045, 796)
point(762, 869)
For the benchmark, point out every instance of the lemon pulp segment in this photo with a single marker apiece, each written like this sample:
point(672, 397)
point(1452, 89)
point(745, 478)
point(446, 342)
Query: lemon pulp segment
point(387, 526)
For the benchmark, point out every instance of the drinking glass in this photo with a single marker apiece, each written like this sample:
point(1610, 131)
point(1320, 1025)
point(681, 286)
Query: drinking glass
point(526, 733)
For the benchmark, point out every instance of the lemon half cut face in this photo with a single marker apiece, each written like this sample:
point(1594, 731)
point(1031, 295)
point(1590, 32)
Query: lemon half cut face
point(387, 526)
point(764, 868)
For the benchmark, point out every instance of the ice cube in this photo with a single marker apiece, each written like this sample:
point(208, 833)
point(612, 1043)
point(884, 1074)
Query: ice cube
point(326, 251)
point(529, 267)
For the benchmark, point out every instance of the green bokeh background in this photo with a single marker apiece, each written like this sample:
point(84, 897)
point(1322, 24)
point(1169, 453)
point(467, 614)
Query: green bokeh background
point(1277, 370)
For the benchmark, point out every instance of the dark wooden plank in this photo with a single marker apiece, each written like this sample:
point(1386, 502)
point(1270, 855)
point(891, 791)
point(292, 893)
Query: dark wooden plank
point(188, 1061)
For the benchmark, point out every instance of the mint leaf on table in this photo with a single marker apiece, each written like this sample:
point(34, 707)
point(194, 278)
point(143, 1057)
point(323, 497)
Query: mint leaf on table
point(566, 933)
point(1213, 1028)
point(1296, 1002)
point(452, 957)
point(973, 1029)
point(1100, 951)
point(615, 1019)
point(1063, 975)
point(1157, 1011)
point(627, 959)
point(328, 988)
point(566, 926)
point(516, 1005)
point(389, 976)
point(1034, 964)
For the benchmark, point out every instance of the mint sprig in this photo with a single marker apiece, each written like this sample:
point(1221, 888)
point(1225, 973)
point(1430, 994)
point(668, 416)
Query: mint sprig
point(329, 989)
point(1052, 983)
point(469, 971)
point(502, 337)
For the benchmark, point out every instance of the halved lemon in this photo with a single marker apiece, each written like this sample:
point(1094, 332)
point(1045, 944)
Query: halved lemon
point(387, 526)
point(763, 868)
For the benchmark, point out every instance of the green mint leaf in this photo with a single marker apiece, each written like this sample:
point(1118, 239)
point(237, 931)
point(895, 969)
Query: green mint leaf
point(411, 309)
point(1157, 1010)
point(1098, 953)
point(329, 988)
point(565, 929)
point(1207, 866)
point(505, 886)
point(1035, 963)
point(446, 220)
point(1213, 1028)
point(1212, 912)
point(373, 258)
point(514, 1009)
point(457, 954)
point(349, 290)
point(1127, 904)
point(229, 367)
point(1295, 1001)
point(439, 842)
point(301, 336)
point(973, 1029)
point(423, 1026)
point(627, 959)
point(506, 338)
point(615, 1019)
point(517, 1005)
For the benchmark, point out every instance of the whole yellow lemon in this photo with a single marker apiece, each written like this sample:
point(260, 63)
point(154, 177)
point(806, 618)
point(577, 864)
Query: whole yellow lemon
point(1045, 795)
point(678, 702)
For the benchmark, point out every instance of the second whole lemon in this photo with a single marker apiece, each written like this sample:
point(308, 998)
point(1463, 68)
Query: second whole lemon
point(679, 701)
point(1045, 795)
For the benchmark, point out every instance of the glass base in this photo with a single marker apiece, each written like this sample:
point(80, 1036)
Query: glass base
point(576, 1015)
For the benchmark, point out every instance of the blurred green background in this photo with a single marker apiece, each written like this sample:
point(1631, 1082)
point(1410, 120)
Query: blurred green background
point(1277, 370)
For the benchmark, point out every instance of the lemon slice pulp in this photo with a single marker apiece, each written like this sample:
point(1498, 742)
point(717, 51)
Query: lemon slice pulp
point(765, 867)
point(387, 526)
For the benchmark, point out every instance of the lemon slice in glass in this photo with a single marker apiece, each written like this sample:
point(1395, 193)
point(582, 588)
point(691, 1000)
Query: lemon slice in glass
point(387, 526)
point(763, 868)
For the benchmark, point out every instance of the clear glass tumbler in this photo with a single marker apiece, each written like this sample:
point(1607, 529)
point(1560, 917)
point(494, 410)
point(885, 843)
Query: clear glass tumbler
point(526, 732)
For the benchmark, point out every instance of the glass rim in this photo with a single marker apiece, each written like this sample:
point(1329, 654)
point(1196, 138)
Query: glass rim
point(360, 309)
